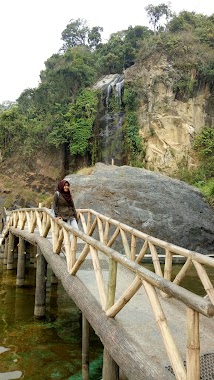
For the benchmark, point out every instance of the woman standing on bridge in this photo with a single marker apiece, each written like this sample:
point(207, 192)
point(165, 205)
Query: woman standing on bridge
point(63, 205)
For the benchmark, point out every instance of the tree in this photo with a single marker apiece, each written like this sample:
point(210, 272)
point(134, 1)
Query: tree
point(75, 33)
point(94, 36)
point(78, 33)
point(7, 104)
point(135, 34)
point(156, 12)
point(12, 129)
point(79, 121)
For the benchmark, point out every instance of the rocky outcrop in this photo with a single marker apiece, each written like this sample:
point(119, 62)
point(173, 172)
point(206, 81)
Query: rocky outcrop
point(153, 203)
point(25, 181)
point(167, 124)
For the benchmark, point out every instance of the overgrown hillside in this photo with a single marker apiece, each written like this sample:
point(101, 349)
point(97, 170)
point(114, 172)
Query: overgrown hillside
point(59, 117)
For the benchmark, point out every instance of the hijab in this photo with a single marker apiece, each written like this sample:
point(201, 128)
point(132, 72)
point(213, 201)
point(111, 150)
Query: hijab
point(66, 194)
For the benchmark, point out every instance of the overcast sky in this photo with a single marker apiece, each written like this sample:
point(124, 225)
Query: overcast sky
point(30, 31)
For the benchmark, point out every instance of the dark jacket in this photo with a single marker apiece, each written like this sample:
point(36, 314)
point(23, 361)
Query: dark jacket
point(62, 208)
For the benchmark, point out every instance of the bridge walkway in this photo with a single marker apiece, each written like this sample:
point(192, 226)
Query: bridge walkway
point(172, 328)
point(137, 319)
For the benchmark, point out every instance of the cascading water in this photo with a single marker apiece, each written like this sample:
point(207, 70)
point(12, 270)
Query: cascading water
point(111, 122)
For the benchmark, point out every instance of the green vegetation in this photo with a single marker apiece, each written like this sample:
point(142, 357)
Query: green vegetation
point(156, 13)
point(203, 176)
point(25, 195)
point(62, 112)
point(204, 145)
point(133, 144)
point(80, 120)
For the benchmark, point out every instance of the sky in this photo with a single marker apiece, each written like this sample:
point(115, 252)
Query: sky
point(30, 31)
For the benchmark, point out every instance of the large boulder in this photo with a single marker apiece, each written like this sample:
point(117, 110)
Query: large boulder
point(160, 206)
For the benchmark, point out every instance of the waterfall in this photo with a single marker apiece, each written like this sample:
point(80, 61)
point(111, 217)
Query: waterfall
point(118, 90)
point(109, 90)
point(109, 133)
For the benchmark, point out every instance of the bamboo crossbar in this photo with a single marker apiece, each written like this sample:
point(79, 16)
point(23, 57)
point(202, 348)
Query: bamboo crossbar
point(24, 221)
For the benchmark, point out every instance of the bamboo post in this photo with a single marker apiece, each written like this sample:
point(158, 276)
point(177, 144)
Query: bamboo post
point(54, 232)
point(85, 227)
point(22, 220)
point(111, 283)
point(10, 257)
point(99, 277)
point(15, 219)
point(33, 251)
point(170, 346)
point(85, 348)
point(59, 242)
point(106, 232)
point(54, 278)
point(29, 221)
point(193, 345)
point(46, 226)
point(100, 229)
point(88, 222)
point(73, 252)
point(155, 259)
point(110, 367)
point(67, 245)
point(167, 269)
point(168, 265)
point(20, 277)
point(38, 220)
point(133, 247)
point(5, 251)
point(125, 243)
point(40, 294)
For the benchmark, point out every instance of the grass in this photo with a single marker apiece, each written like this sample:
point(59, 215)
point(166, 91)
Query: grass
point(207, 189)
point(14, 190)
point(86, 171)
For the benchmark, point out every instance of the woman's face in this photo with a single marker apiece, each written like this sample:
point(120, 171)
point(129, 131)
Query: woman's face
point(66, 186)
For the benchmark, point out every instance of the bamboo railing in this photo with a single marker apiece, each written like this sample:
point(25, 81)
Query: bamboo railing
point(99, 234)
point(137, 246)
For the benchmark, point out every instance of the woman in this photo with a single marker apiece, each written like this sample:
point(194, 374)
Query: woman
point(63, 205)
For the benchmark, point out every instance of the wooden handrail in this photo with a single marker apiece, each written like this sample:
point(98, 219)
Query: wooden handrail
point(154, 283)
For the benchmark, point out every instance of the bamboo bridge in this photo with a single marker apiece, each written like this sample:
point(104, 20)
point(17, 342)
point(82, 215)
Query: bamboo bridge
point(151, 327)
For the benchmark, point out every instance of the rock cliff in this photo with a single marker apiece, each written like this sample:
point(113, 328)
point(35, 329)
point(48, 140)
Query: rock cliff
point(168, 124)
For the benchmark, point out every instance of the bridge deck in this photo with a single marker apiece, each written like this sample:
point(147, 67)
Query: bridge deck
point(139, 322)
